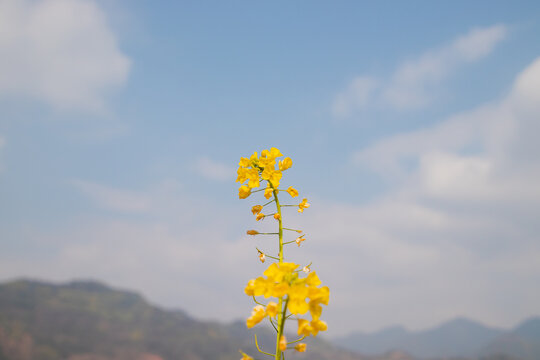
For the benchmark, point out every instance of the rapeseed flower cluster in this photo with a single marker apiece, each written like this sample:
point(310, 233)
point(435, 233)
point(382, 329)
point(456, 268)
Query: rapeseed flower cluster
point(290, 292)
point(303, 295)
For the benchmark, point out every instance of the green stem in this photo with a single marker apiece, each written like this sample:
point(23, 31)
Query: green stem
point(268, 203)
point(297, 340)
point(280, 221)
point(281, 321)
point(295, 230)
point(258, 348)
point(281, 316)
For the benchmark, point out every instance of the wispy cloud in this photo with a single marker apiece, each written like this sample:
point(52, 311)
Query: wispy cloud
point(413, 83)
point(61, 52)
point(460, 217)
point(213, 170)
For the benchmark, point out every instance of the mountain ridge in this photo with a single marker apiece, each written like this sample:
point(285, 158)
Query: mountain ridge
point(86, 320)
point(459, 337)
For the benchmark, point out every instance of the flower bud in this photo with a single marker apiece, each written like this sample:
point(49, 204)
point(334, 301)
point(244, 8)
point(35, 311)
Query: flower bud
point(283, 343)
point(256, 209)
point(271, 309)
point(252, 232)
point(262, 257)
point(301, 347)
point(277, 216)
point(292, 191)
point(244, 192)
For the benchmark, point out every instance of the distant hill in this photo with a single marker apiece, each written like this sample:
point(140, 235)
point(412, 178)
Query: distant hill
point(458, 338)
point(523, 342)
point(90, 321)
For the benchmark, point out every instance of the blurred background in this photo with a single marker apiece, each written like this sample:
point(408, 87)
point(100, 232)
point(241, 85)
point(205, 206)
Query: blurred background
point(412, 127)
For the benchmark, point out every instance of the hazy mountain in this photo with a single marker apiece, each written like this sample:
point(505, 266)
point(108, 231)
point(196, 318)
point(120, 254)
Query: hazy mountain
point(523, 342)
point(457, 338)
point(90, 321)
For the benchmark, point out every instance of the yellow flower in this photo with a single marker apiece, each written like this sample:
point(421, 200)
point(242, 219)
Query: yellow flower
point(254, 159)
point(277, 272)
point(315, 310)
point(256, 209)
point(277, 216)
point(256, 317)
point(303, 205)
point(301, 347)
point(266, 162)
point(298, 306)
point(250, 288)
point(313, 280)
point(304, 327)
point(273, 273)
point(268, 192)
point(280, 289)
point(252, 232)
point(299, 240)
point(283, 343)
point(273, 153)
point(253, 176)
point(272, 176)
point(285, 164)
point(260, 216)
point(271, 309)
point(318, 325)
point(292, 191)
point(244, 162)
point(265, 287)
point(244, 192)
point(242, 175)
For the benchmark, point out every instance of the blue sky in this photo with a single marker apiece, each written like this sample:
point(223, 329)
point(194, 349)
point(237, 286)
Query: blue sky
point(411, 127)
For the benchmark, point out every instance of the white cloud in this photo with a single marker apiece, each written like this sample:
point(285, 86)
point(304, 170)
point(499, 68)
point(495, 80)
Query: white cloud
point(412, 84)
point(61, 52)
point(457, 232)
point(213, 170)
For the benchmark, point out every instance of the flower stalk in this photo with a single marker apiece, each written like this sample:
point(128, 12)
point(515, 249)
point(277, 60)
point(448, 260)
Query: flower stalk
point(282, 281)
